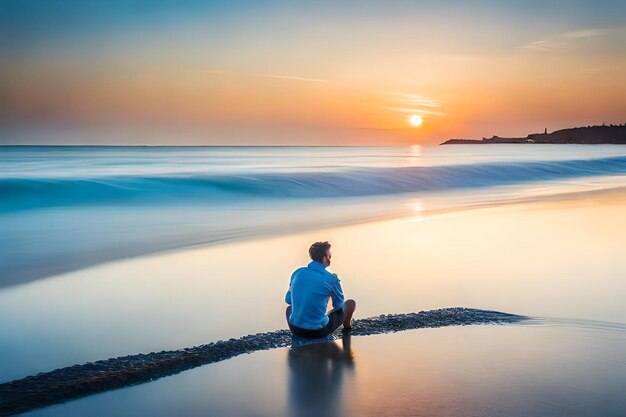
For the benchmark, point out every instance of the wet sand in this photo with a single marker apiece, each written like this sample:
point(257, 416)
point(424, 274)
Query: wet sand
point(548, 259)
point(69, 383)
point(522, 370)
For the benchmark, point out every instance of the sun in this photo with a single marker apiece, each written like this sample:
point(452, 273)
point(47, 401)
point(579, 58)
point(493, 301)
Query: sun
point(415, 120)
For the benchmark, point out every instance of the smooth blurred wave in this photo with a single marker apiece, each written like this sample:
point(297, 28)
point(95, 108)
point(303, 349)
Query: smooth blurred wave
point(33, 192)
point(64, 208)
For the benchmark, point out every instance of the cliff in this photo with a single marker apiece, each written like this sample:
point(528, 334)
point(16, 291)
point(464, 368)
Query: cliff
point(613, 134)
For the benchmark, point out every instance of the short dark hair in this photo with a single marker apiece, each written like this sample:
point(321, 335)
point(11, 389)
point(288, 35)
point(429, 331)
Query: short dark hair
point(318, 250)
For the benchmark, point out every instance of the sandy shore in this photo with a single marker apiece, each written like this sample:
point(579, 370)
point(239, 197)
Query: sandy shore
point(517, 371)
point(550, 258)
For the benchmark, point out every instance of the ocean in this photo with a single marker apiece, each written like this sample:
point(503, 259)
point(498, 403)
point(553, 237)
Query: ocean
point(63, 208)
point(139, 263)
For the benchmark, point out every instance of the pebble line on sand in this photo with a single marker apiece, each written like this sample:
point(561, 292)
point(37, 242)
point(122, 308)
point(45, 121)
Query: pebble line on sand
point(76, 381)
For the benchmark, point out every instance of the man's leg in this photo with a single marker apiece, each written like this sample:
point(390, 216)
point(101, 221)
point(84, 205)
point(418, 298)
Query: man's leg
point(288, 313)
point(348, 310)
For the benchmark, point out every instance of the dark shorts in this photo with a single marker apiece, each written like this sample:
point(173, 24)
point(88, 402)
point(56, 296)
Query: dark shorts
point(335, 319)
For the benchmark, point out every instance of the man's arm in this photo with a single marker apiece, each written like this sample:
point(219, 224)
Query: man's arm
point(288, 295)
point(336, 292)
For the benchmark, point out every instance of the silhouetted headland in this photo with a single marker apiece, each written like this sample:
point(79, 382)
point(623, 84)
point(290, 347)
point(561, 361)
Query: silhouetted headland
point(614, 134)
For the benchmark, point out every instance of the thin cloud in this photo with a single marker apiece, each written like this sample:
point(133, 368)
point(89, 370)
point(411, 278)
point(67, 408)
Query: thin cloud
point(415, 110)
point(541, 46)
point(211, 71)
point(561, 40)
point(415, 99)
point(292, 78)
point(410, 103)
point(275, 76)
point(588, 33)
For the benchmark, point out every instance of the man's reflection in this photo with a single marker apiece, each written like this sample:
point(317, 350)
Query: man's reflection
point(316, 373)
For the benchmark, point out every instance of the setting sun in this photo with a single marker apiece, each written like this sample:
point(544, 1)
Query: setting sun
point(415, 120)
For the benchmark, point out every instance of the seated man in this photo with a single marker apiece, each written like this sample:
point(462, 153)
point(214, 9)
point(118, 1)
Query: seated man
point(309, 290)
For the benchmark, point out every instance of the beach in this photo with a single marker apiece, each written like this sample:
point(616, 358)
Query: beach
point(462, 371)
point(290, 209)
point(550, 251)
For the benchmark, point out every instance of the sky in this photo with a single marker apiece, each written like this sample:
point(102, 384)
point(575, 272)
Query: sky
point(306, 73)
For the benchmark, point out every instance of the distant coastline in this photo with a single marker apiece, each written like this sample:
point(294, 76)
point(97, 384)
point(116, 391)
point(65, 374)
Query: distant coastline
point(604, 134)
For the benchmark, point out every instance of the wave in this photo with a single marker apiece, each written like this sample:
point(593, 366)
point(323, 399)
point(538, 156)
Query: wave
point(77, 381)
point(21, 193)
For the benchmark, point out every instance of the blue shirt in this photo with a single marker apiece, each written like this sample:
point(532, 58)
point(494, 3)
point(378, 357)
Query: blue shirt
point(310, 288)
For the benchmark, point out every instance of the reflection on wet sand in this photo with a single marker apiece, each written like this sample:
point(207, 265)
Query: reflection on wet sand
point(316, 377)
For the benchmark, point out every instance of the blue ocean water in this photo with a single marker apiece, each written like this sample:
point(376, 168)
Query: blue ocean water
point(68, 207)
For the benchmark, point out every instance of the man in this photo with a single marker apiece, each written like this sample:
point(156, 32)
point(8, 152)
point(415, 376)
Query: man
point(310, 288)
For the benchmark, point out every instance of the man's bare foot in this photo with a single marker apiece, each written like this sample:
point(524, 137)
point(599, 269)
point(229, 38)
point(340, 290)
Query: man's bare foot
point(347, 328)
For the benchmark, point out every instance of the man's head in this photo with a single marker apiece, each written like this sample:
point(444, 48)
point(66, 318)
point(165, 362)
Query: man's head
point(320, 252)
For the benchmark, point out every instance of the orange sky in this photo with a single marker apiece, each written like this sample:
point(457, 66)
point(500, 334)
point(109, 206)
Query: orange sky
point(318, 76)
